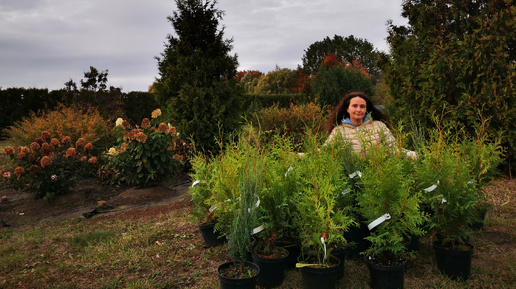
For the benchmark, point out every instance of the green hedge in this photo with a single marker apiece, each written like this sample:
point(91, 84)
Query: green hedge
point(19, 102)
point(255, 102)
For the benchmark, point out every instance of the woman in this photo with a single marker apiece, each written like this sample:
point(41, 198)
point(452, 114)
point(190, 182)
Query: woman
point(356, 120)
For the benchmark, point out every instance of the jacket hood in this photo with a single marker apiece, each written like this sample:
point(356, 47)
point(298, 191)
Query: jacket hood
point(348, 121)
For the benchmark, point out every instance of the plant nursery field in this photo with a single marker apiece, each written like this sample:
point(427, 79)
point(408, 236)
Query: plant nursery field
point(146, 239)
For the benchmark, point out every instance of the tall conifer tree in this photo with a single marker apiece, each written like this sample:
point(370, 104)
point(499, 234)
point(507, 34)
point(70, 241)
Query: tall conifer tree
point(456, 59)
point(197, 75)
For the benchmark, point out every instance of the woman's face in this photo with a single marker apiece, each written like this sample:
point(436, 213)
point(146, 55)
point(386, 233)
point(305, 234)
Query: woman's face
point(357, 110)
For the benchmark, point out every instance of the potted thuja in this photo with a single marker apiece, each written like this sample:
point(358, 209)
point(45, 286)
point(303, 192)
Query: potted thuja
point(278, 202)
point(275, 229)
point(391, 209)
point(240, 273)
point(201, 193)
point(447, 183)
point(320, 221)
point(485, 155)
point(352, 164)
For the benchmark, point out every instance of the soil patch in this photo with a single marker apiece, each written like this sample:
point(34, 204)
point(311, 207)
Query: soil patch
point(89, 198)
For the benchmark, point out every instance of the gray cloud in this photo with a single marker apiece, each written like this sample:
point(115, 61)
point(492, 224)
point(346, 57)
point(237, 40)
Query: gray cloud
point(44, 43)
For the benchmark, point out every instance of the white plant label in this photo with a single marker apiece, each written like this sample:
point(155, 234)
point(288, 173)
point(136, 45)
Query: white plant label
point(431, 188)
point(357, 173)
point(378, 221)
point(258, 229)
point(195, 183)
point(289, 169)
point(214, 207)
point(324, 245)
point(346, 192)
point(444, 201)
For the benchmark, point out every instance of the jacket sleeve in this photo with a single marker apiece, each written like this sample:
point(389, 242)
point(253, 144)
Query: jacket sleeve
point(332, 135)
point(391, 141)
point(388, 138)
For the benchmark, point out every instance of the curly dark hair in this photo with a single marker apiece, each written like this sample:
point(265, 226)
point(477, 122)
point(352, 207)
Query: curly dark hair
point(340, 111)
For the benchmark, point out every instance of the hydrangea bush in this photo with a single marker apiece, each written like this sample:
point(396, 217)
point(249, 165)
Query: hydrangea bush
point(145, 154)
point(49, 167)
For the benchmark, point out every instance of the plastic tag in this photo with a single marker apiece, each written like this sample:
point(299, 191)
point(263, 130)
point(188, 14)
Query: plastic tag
point(431, 188)
point(214, 207)
point(195, 183)
point(357, 173)
point(324, 245)
point(289, 169)
point(346, 192)
point(258, 229)
point(378, 221)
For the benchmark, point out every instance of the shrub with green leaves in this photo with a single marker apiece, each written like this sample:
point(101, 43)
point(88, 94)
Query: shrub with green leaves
point(49, 167)
point(388, 191)
point(201, 191)
point(333, 81)
point(245, 215)
point(277, 196)
point(446, 177)
point(292, 122)
point(320, 217)
point(148, 153)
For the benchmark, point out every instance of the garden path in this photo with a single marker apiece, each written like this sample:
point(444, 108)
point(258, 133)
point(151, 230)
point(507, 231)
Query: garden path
point(86, 200)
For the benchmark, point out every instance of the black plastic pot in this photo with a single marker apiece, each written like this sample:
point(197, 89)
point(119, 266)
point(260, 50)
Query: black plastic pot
point(341, 255)
point(211, 238)
point(293, 252)
point(356, 236)
point(323, 277)
point(481, 217)
point(453, 263)
point(412, 243)
point(245, 283)
point(272, 270)
point(386, 277)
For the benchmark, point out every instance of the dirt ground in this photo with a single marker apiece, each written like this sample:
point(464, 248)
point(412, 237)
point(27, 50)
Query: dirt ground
point(87, 199)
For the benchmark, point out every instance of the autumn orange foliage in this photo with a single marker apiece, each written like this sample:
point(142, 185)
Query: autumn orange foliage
point(61, 123)
point(332, 60)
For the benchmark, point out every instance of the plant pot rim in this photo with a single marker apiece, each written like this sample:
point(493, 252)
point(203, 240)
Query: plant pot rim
point(206, 224)
point(401, 263)
point(439, 244)
point(336, 262)
point(248, 264)
point(254, 253)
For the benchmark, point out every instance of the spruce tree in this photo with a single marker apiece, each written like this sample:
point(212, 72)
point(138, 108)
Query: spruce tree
point(197, 82)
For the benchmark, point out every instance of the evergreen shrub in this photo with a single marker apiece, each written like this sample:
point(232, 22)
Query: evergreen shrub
point(290, 122)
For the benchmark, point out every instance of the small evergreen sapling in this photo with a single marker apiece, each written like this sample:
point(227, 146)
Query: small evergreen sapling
point(245, 217)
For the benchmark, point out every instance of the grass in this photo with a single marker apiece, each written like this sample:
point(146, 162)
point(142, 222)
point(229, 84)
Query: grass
point(160, 247)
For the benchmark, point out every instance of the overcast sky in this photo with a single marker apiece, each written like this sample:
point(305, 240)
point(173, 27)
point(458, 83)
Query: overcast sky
point(45, 43)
